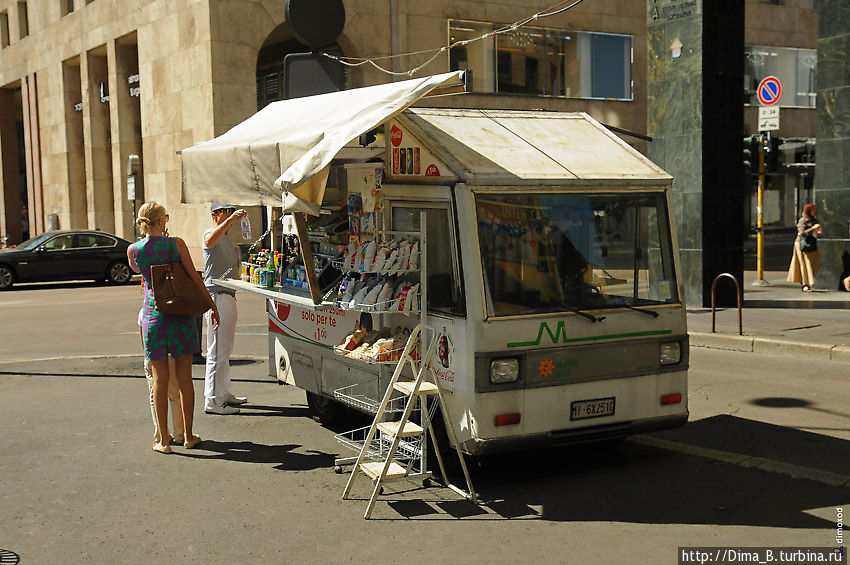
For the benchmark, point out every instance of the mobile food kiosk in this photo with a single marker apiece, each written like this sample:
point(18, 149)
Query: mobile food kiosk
point(536, 247)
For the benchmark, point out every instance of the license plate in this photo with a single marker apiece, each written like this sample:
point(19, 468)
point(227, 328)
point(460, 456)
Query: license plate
point(596, 408)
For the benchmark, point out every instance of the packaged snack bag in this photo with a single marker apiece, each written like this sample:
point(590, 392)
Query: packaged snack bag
point(412, 302)
point(403, 256)
point(382, 349)
point(352, 340)
point(380, 258)
point(359, 296)
point(357, 353)
point(369, 256)
point(413, 262)
point(385, 296)
point(349, 253)
point(392, 256)
point(400, 301)
point(372, 296)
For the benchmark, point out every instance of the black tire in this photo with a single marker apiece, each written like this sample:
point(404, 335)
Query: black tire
point(325, 410)
point(7, 277)
point(118, 272)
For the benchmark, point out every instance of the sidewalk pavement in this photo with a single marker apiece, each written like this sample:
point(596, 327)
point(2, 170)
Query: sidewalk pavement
point(778, 319)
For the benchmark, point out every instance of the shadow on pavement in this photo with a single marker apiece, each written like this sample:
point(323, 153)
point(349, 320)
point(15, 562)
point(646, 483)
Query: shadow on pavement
point(284, 411)
point(250, 452)
point(643, 483)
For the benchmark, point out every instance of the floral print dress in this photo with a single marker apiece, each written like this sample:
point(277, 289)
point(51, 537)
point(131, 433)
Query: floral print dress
point(162, 333)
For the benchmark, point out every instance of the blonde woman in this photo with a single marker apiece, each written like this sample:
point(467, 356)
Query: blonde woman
point(167, 334)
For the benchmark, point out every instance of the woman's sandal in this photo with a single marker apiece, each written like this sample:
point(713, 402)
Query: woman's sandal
point(159, 448)
point(192, 443)
point(807, 288)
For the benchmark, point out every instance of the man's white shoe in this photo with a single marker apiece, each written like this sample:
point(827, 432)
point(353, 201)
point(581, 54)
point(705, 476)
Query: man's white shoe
point(212, 408)
point(233, 400)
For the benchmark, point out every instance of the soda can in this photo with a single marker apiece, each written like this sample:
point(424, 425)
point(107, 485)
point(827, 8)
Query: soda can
point(395, 160)
point(409, 160)
point(416, 166)
point(402, 166)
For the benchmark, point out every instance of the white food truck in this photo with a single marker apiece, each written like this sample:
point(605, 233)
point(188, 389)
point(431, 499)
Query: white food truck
point(537, 247)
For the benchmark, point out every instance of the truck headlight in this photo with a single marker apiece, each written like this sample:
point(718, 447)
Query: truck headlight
point(670, 353)
point(504, 370)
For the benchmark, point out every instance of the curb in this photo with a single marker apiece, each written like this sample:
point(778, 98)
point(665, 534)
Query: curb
point(770, 346)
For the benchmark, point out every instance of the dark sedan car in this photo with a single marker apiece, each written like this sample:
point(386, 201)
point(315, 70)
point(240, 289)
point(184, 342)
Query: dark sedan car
point(66, 255)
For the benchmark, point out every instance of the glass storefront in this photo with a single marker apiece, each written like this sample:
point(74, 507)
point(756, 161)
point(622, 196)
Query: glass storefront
point(544, 62)
point(795, 68)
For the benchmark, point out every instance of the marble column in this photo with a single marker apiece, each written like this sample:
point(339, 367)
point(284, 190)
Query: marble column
point(832, 170)
point(695, 106)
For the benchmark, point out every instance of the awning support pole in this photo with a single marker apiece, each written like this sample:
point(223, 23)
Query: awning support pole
point(307, 257)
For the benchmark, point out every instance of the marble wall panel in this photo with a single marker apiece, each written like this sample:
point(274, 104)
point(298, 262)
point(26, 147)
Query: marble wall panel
point(833, 53)
point(834, 18)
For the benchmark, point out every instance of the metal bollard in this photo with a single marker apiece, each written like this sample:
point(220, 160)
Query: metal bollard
point(738, 288)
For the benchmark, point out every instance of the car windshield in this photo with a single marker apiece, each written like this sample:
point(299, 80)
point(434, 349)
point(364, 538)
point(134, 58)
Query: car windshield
point(559, 252)
point(34, 242)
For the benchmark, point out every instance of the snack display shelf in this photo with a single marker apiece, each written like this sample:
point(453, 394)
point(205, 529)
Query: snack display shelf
point(384, 307)
point(343, 265)
point(281, 294)
point(371, 360)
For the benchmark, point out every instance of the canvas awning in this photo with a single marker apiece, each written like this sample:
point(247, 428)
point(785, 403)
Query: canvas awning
point(284, 150)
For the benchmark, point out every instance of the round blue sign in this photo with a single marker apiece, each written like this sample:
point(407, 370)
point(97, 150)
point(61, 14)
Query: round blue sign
point(769, 91)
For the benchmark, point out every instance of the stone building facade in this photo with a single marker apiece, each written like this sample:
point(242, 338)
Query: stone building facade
point(86, 83)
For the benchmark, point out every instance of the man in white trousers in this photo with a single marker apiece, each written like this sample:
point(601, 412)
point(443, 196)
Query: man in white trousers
point(220, 254)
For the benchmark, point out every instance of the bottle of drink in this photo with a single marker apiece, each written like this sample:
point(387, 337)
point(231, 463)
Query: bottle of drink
point(246, 228)
point(270, 269)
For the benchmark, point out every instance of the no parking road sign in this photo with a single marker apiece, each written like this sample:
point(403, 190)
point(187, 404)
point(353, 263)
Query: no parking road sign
point(769, 91)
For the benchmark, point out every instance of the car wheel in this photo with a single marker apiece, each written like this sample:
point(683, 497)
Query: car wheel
point(118, 272)
point(7, 277)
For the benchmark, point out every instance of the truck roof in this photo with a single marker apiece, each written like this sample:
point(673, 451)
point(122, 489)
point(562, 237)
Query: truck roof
point(510, 147)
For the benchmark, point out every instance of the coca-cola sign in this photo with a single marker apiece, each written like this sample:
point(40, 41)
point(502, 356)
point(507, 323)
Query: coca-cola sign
point(395, 136)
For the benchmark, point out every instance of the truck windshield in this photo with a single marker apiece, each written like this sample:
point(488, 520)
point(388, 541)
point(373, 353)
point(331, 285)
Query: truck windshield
point(560, 252)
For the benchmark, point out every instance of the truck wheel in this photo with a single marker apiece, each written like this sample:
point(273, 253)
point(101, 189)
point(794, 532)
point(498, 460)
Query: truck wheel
point(324, 410)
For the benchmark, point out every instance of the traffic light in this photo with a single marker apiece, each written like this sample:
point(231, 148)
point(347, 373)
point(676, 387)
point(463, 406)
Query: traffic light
point(772, 155)
point(751, 155)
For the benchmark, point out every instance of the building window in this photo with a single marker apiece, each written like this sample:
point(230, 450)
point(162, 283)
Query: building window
point(543, 61)
point(795, 68)
point(4, 29)
point(66, 6)
point(23, 19)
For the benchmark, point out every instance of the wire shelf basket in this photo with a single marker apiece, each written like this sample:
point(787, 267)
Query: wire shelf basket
point(409, 449)
point(362, 396)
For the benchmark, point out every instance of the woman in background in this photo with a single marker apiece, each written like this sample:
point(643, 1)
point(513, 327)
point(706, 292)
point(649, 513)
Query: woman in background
point(805, 261)
point(163, 333)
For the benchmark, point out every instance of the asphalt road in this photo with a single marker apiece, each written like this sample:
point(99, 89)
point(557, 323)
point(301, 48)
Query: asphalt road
point(763, 462)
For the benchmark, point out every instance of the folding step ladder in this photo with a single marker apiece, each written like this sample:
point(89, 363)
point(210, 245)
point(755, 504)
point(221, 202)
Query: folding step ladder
point(416, 390)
